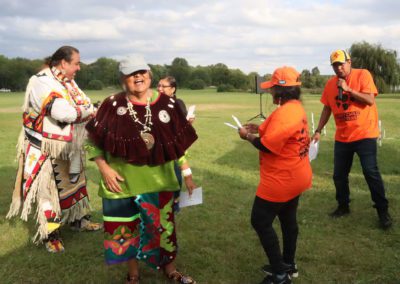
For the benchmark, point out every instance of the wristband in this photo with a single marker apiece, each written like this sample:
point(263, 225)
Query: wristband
point(187, 172)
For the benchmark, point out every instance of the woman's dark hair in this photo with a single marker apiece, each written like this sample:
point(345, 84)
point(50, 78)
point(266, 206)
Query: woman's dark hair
point(287, 93)
point(172, 82)
point(64, 52)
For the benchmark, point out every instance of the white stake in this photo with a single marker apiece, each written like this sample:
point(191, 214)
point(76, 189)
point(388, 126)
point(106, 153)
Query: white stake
point(312, 123)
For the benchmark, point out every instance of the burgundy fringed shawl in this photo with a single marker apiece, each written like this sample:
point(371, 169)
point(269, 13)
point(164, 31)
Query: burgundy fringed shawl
point(114, 131)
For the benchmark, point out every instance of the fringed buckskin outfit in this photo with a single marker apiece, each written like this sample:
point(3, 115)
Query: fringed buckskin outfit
point(139, 221)
point(50, 154)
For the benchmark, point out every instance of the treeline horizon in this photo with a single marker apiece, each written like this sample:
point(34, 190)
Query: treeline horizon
point(382, 63)
point(15, 73)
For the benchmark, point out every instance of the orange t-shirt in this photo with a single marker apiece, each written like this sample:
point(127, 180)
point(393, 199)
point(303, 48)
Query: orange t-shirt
point(286, 171)
point(354, 120)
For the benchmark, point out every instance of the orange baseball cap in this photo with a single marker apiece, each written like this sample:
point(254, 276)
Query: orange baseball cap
point(340, 56)
point(283, 76)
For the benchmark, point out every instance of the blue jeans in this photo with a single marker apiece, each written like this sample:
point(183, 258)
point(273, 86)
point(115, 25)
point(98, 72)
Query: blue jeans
point(343, 160)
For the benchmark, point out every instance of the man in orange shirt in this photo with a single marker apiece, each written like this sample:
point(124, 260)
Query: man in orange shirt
point(350, 96)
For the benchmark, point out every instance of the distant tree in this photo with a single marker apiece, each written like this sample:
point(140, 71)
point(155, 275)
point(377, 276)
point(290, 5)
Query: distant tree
point(306, 79)
point(315, 71)
point(180, 69)
point(105, 70)
point(159, 72)
point(83, 77)
point(95, 85)
point(382, 63)
point(202, 73)
point(4, 72)
point(219, 74)
point(197, 84)
point(225, 88)
point(238, 79)
point(251, 79)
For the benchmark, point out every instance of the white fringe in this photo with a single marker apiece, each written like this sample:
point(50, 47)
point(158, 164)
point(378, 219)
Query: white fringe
point(56, 149)
point(42, 232)
point(43, 185)
point(17, 192)
point(21, 143)
point(76, 212)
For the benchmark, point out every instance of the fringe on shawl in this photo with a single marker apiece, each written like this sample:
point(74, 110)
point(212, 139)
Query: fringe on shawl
point(56, 149)
point(64, 150)
point(16, 200)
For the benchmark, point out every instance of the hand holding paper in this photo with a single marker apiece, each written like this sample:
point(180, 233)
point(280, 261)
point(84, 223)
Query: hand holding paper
point(190, 113)
point(313, 151)
point(188, 200)
point(237, 121)
point(239, 125)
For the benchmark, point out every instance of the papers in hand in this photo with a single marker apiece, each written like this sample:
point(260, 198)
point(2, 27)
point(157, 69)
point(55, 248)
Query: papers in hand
point(231, 125)
point(190, 113)
point(237, 121)
point(313, 151)
point(239, 125)
point(195, 199)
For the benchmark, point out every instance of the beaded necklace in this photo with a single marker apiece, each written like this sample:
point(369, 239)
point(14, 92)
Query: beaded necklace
point(146, 136)
point(70, 86)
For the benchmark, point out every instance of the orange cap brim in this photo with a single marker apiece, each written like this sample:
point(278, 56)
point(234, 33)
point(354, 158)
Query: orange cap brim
point(266, 85)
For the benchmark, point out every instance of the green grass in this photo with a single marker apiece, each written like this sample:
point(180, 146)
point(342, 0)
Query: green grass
point(217, 243)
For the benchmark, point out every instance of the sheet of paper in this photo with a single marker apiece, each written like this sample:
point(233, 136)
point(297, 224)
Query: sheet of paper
point(195, 199)
point(313, 151)
point(237, 121)
point(231, 125)
point(191, 110)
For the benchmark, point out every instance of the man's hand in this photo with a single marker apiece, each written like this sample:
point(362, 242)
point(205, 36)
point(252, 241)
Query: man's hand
point(316, 137)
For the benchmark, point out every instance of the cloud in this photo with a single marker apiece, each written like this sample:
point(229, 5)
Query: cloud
point(253, 35)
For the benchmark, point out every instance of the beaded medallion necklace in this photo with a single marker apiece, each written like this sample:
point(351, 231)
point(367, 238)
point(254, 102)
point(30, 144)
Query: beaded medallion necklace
point(145, 135)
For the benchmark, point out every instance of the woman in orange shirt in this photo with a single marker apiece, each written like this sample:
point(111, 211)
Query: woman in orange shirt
point(285, 172)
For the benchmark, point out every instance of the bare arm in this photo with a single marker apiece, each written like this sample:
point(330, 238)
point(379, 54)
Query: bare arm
point(365, 98)
point(325, 115)
point(188, 178)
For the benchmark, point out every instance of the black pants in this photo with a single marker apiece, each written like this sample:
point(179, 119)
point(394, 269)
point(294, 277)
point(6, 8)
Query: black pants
point(343, 160)
point(262, 217)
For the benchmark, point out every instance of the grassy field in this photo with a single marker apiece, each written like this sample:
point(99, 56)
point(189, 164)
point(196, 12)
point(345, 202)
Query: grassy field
point(217, 243)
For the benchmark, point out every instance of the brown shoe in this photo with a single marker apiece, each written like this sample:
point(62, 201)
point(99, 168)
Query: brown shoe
point(132, 279)
point(178, 277)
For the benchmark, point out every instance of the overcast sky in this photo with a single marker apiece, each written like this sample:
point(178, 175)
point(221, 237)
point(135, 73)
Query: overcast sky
point(252, 35)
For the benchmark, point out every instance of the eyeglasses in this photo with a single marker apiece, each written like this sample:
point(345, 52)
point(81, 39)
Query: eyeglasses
point(163, 86)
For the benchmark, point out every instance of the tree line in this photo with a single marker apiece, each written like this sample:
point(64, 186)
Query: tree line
point(383, 64)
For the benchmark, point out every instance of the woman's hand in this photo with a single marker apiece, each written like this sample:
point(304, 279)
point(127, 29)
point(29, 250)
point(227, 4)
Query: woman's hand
point(110, 176)
point(243, 133)
point(190, 185)
point(251, 128)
